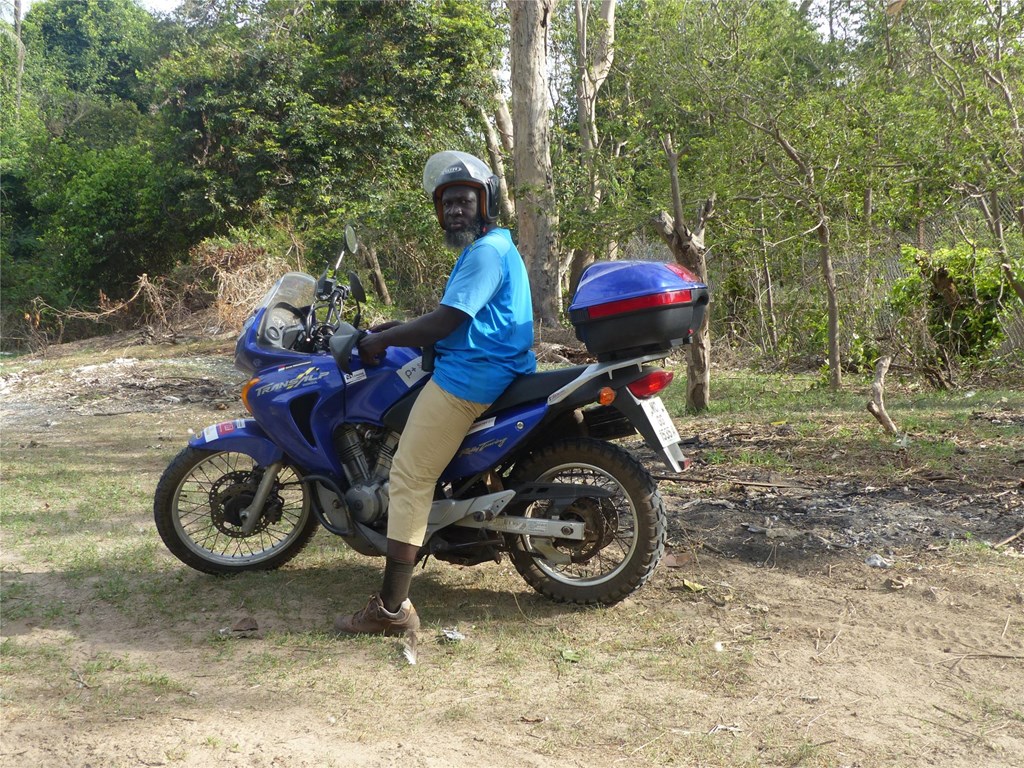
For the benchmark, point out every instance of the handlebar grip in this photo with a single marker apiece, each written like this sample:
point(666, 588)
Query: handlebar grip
point(428, 358)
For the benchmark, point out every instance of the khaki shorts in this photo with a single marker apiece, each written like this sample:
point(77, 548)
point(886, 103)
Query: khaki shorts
point(436, 428)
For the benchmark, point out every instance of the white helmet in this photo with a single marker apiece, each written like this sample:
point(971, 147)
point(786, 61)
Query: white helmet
point(449, 168)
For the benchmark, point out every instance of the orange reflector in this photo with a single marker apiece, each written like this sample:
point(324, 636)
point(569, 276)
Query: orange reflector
point(606, 396)
point(651, 384)
point(245, 393)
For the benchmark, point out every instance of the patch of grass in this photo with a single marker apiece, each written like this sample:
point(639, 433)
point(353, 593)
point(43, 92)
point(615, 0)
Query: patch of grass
point(715, 456)
point(791, 423)
point(18, 655)
point(115, 681)
point(20, 599)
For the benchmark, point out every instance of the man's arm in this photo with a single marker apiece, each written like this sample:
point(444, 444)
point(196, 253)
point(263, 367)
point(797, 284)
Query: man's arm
point(421, 332)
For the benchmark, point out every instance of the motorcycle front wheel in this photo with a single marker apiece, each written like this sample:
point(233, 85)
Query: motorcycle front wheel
point(625, 526)
point(198, 505)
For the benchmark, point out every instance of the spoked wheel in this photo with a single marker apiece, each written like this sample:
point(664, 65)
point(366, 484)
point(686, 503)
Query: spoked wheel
point(198, 511)
point(625, 525)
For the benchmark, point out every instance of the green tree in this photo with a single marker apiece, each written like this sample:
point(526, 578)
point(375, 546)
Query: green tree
point(95, 47)
point(318, 112)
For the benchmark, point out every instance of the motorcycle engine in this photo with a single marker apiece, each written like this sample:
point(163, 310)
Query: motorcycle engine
point(367, 495)
point(367, 503)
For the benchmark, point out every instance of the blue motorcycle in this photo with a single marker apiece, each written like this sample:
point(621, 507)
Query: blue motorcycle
point(538, 477)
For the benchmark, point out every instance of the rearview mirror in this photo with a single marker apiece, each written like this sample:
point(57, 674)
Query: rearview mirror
point(356, 287)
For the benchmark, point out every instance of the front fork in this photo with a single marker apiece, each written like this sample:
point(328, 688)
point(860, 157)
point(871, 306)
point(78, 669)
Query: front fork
point(250, 516)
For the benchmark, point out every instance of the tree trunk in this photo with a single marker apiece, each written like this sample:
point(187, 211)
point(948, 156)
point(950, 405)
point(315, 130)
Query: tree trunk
point(922, 242)
point(593, 63)
point(876, 405)
point(687, 248)
point(535, 186)
point(376, 275)
point(497, 165)
point(20, 65)
point(771, 321)
point(503, 121)
point(815, 207)
point(1015, 282)
point(835, 377)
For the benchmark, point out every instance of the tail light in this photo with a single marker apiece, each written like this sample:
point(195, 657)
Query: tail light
point(651, 384)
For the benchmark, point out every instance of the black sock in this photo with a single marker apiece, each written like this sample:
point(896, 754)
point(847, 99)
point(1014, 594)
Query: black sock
point(397, 580)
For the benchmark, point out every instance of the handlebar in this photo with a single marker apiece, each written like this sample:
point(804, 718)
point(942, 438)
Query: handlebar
point(318, 333)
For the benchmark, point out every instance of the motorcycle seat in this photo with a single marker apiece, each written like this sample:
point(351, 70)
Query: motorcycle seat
point(524, 389)
point(532, 387)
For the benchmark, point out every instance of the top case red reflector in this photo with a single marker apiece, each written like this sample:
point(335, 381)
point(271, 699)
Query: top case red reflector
point(651, 301)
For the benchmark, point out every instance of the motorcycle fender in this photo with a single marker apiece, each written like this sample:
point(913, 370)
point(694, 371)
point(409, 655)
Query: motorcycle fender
point(240, 436)
point(654, 425)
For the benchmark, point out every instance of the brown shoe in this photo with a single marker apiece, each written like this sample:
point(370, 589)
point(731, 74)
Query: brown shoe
point(374, 619)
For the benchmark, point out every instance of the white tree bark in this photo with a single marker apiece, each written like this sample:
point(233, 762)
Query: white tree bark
point(531, 123)
point(593, 63)
point(497, 164)
point(503, 120)
point(876, 405)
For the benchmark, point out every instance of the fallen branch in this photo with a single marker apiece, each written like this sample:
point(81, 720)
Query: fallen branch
point(782, 484)
point(876, 405)
point(679, 478)
point(1008, 539)
point(682, 478)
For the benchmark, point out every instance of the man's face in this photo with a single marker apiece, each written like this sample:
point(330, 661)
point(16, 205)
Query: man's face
point(462, 223)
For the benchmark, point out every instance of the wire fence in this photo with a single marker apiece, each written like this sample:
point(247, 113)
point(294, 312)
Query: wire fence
point(964, 223)
point(868, 265)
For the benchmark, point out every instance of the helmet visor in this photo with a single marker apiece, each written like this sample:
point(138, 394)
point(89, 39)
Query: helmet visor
point(448, 165)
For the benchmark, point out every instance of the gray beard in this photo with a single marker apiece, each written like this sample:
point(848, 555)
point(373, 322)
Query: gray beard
point(461, 238)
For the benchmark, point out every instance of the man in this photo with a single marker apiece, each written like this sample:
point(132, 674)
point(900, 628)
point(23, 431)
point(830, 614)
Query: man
point(482, 331)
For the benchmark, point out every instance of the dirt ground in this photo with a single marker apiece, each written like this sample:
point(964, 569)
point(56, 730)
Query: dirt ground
point(765, 638)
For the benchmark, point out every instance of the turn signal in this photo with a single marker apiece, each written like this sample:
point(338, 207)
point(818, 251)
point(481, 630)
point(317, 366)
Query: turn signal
point(651, 384)
point(245, 393)
point(606, 396)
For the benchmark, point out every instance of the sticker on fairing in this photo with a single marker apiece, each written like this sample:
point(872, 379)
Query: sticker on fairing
point(352, 378)
point(214, 431)
point(412, 371)
point(485, 424)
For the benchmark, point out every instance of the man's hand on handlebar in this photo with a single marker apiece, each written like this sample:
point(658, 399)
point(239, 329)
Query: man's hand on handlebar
point(371, 348)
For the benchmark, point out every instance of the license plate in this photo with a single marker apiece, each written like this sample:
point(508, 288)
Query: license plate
point(661, 421)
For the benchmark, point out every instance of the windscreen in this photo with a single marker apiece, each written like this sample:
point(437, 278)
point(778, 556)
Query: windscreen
point(293, 288)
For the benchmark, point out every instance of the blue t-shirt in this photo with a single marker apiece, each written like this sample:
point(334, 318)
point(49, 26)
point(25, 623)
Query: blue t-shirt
point(481, 357)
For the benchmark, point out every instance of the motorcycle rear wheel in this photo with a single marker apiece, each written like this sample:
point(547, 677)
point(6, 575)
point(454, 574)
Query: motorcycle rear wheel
point(197, 505)
point(624, 536)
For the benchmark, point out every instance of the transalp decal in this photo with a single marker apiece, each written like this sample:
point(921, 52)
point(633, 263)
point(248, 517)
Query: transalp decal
point(412, 372)
point(309, 376)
